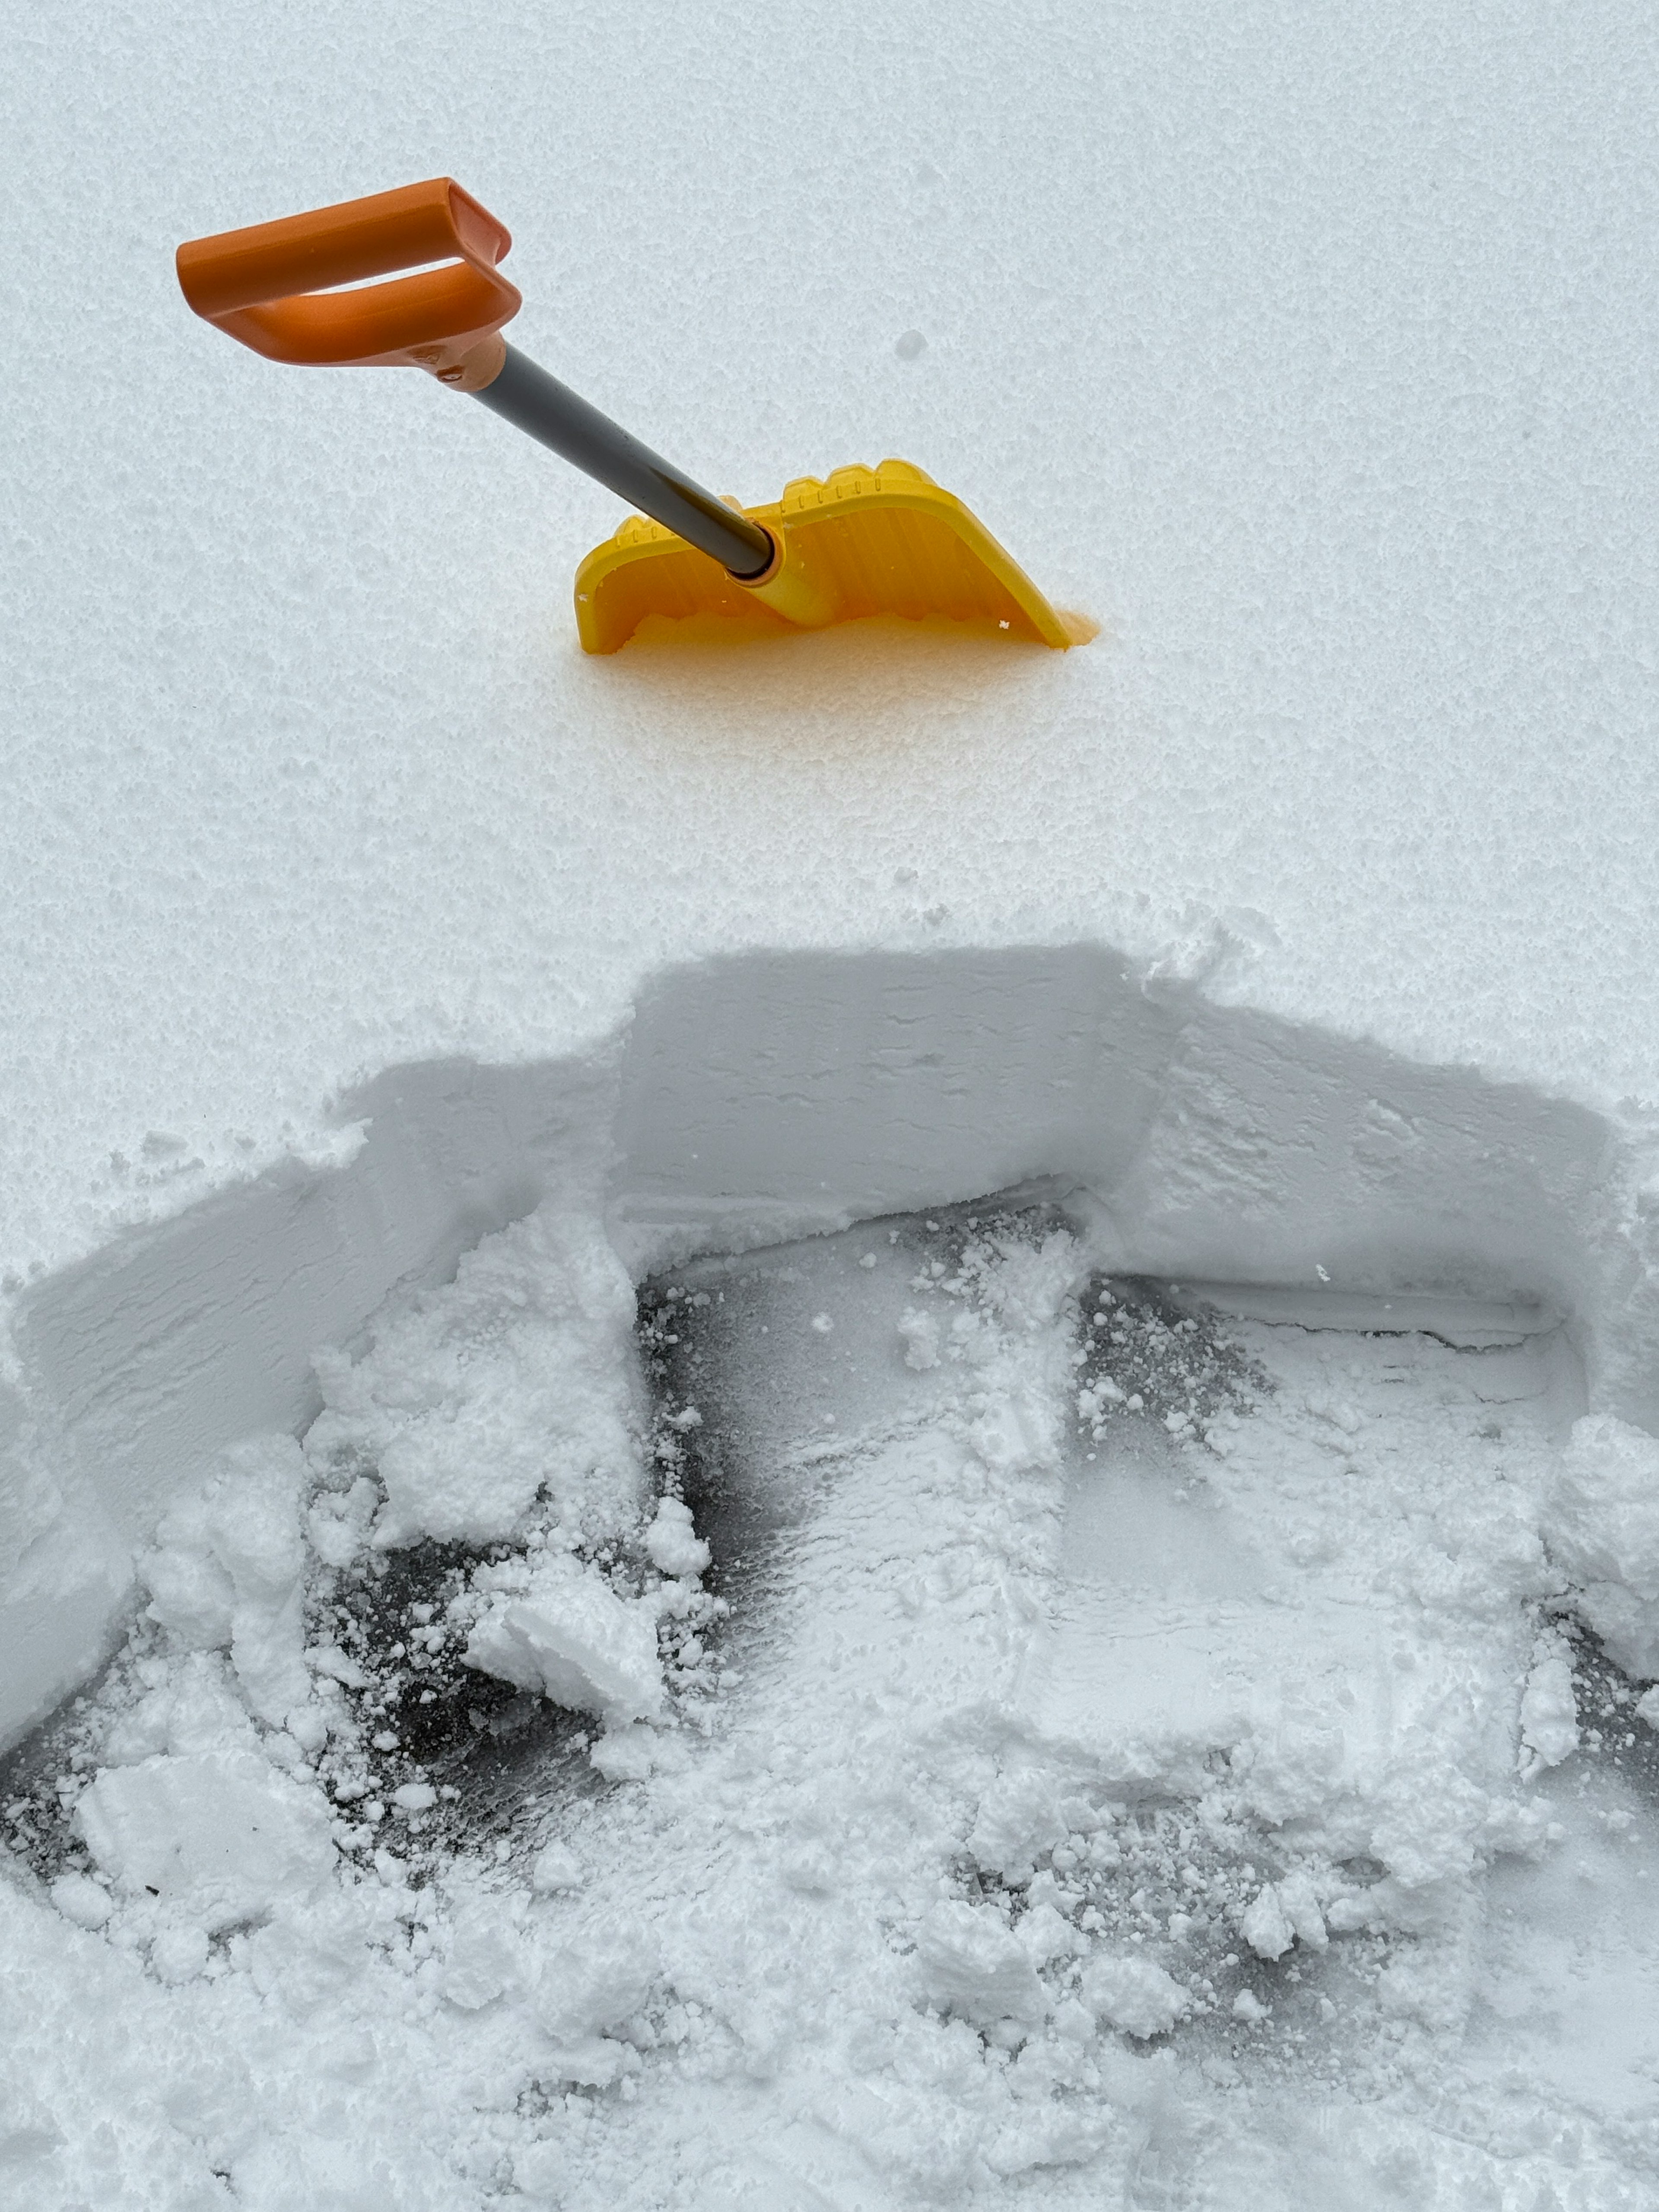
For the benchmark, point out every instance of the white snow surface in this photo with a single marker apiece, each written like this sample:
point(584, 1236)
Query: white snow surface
point(1066, 1813)
point(387, 989)
point(1304, 350)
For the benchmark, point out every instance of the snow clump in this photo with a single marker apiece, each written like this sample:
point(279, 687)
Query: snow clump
point(1282, 1912)
point(1135, 1995)
point(972, 1964)
point(672, 1544)
point(510, 1385)
point(229, 1568)
point(559, 1629)
point(1549, 1708)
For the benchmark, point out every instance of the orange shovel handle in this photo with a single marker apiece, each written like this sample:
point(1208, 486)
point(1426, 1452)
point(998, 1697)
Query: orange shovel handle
point(269, 285)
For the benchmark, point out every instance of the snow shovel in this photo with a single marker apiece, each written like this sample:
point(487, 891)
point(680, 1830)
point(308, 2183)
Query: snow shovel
point(864, 542)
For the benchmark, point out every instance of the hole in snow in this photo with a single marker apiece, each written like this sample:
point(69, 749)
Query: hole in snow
point(1184, 1599)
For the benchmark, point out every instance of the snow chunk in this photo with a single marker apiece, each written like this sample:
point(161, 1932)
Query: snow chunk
point(919, 1333)
point(672, 1544)
point(593, 1984)
point(180, 1952)
point(338, 1526)
point(1264, 1925)
point(1017, 1821)
point(557, 1867)
point(571, 1638)
point(483, 1958)
point(1549, 1709)
point(1601, 1523)
point(195, 1710)
point(972, 1965)
point(624, 1754)
point(338, 1666)
point(511, 1380)
point(229, 1568)
point(1044, 1934)
point(1299, 1903)
point(223, 1837)
point(81, 1900)
point(1135, 1995)
point(1282, 1912)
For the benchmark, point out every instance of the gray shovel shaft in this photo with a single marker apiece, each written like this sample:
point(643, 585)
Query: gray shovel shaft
point(534, 401)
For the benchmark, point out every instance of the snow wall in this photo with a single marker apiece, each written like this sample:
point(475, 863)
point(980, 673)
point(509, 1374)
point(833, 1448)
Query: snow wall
point(766, 1095)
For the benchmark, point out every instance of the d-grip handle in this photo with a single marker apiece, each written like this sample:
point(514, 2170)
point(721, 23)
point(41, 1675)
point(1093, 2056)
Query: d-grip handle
point(269, 285)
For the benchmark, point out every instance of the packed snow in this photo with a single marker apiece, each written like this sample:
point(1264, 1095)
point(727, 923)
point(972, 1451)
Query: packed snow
point(874, 1422)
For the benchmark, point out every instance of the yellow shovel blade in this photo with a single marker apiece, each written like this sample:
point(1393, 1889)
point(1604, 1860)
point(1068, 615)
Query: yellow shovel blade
point(884, 541)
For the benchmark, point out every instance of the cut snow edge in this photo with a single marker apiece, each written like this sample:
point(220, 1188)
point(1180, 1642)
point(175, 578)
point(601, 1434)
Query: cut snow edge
point(756, 1098)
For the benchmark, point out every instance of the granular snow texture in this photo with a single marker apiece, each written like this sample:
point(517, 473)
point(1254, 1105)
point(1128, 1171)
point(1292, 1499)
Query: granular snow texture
point(1306, 348)
point(1213, 1796)
point(1021, 1734)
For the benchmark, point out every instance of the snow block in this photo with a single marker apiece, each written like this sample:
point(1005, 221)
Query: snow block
point(569, 1636)
point(221, 1837)
point(972, 1964)
point(1135, 1995)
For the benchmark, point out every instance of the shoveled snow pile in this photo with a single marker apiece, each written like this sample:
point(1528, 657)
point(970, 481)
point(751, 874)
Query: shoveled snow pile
point(1056, 1795)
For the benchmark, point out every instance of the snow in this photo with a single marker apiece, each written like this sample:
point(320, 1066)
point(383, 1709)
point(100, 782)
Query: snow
point(1604, 1528)
point(970, 1962)
point(876, 1906)
point(566, 1637)
point(389, 992)
point(1135, 1995)
point(229, 1568)
point(215, 1837)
